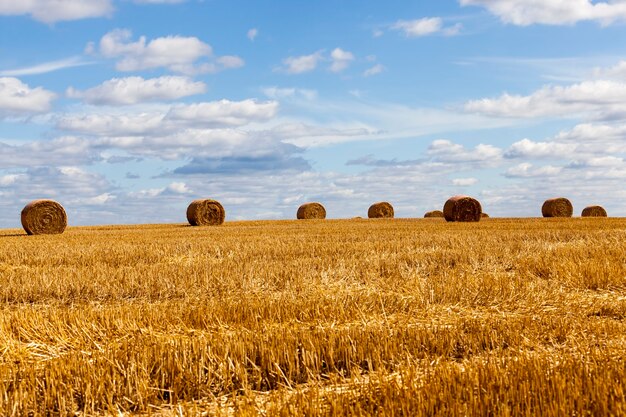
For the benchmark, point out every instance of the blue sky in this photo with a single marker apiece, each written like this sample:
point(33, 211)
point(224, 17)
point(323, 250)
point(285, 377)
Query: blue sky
point(126, 110)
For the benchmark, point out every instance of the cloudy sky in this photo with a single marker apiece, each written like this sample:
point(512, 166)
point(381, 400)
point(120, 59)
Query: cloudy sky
point(126, 110)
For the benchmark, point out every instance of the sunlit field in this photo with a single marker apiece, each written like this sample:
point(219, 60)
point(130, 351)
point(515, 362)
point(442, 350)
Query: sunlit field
point(337, 317)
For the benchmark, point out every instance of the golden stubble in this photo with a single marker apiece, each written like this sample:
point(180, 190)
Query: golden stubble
point(335, 317)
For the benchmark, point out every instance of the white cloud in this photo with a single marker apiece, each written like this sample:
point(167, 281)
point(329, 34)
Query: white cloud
point(18, 99)
point(376, 69)
point(253, 33)
point(618, 71)
point(446, 151)
point(46, 67)
point(527, 170)
point(552, 12)
point(301, 64)
point(340, 59)
point(600, 99)
point(50, 11)
point(186, 55)
point(224, 112)
point(464, 182)
point(527, 148)
point(281, 93)
point(133, 90)
point(425, 27)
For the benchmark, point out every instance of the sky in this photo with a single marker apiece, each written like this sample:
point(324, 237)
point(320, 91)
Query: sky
point(125, 111)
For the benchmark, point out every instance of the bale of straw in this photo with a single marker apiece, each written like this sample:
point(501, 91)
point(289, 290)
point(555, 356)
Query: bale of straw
point(205, 212)
point(484, 216)
point(381, 210)
point(311, 211)
point(462, 208)
point(435, 214)
point(557, 207)
point(594, 211)
point(44, 217)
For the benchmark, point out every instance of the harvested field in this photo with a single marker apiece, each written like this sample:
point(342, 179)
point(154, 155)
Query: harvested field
point(341, 317)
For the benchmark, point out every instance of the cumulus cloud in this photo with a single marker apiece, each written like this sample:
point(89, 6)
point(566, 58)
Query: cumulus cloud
point(215, 114)
point(253, 33)
point(302, 64)
point(185, 55)
point(59, 151)
point(552, 12)
point(425, 27)
point(528, 170)
point(340, 59)
point(133, 90)
point(51, 11)
point(19, 99)
point(447, 151)
point(599, 99)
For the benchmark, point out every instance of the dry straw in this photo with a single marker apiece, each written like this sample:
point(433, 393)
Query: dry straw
point(557, 207)
point(462, 208)
point(435, 214)
point(484, 215)
point(311, 211)
point(44, 217)
point(594, 211)
point(381, 210)
point(205, 213)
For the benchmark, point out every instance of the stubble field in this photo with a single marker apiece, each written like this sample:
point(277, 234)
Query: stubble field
point(338, 317)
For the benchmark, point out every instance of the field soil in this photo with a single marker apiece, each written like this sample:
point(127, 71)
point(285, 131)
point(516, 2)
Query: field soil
point(390, 317)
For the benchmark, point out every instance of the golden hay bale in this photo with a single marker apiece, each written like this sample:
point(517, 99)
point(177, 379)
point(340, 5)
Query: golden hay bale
point(594, 211)
point(311, 211)
point(435, 214)
point(462, 208)
point(44, 217)
point(205, 213)
point(380, 210)
point(557, 207)
point(484, 215)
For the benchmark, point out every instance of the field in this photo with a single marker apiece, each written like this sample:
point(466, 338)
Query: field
point(339, 317)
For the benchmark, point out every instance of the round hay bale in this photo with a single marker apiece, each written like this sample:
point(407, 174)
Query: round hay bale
point(484, 216)
point(44, 217)
point(205, 213)
point(311, 211)
point(435, 214)
point(557, 207)
point(462, 208)
point(594, 211)
point(381, 210)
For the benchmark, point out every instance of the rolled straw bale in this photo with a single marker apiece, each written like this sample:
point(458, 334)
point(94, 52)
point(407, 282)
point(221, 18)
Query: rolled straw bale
point(484, 215)
point(462, 208)
point(311, 211)
point(435, 214)
point(380, 210)
point(44, 217)
point(557, 207)
point(205, 213)
point(594, 211)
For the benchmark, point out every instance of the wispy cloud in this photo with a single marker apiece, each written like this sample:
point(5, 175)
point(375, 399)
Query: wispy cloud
point(46, 67)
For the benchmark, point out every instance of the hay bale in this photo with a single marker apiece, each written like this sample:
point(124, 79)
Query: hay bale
point(44, 217)
point(557, 207)
point(311, 211)
point(594, 211)
point(462, 208)
point(484, 216)
point(435, 214)
point(205, 213)
point(381, 210)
